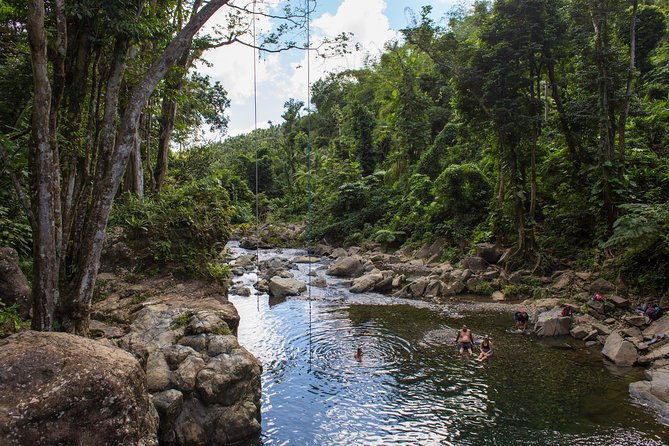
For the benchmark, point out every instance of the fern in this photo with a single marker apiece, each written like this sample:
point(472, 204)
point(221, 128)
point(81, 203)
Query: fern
point(641, 226)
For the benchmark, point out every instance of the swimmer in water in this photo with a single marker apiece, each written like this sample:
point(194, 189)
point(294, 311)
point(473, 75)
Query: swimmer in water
point(358, 354)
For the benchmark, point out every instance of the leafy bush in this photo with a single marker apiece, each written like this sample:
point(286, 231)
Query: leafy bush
point(10, 321)
point(184, 228)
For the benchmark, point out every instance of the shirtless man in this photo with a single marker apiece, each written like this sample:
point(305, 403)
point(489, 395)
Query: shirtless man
point(465, 340)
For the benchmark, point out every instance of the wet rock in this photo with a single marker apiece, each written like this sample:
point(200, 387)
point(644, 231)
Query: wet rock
point(319, 282)
point(14, 288)
point(619, 350)
point(385, 285)
point(654, 392)
point(366, 282)
point(550, 323)
point(306, 259)
point(282, 287)
point(351, 266)
point(655, 354)
point(57, 388)
point(591, 336)
point(580, 331)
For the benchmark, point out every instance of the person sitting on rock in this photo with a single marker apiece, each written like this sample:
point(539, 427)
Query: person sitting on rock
point(486, 349)
point(522, 318)
point(465, 341)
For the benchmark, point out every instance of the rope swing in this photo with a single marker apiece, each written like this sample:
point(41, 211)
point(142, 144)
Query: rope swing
point(255, 135)
point(309, 172)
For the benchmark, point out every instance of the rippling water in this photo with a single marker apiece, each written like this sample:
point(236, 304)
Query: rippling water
point(410, 390)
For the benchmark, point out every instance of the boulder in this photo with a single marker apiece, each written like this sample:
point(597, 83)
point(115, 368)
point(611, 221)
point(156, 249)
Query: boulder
point(596, 306)
point(619, 350)
point(580, 331)
point(619, 302)
point(660, 326)
point(366, 282)
point(14, 288)
point(489, 252)
point(351, 266)
point(306, 259)
point(636, 320)
point(655, 354)
point(498, 296)
point(338, 252)
point(57, 388)
point(475, 264)
point(550, 323)
point(654, 392)
point(601, 286)
point(563, 281)
point(282, 287)
point(453, 288)
point(319, 282)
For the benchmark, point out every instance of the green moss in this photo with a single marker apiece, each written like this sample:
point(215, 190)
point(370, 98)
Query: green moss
point(223, 330)
point(180, 321)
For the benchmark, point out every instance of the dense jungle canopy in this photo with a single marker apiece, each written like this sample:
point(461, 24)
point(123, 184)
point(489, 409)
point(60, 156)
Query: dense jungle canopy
point(541, 125)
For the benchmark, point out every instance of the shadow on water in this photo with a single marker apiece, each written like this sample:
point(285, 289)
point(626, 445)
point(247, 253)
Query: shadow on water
point(412, 388)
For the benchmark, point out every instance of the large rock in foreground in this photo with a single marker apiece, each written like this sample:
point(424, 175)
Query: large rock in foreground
point(57, 388)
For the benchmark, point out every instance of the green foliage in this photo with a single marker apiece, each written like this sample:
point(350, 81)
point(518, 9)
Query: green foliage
point(10, 321)
point(482, 287)
point(184, 228)
point(512, 291)
point(218, 271)
point(15, 232)
point(223, 330)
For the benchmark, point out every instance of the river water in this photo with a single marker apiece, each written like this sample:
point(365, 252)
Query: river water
point(411, 388)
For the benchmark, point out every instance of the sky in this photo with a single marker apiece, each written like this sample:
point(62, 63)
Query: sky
point(282, 76)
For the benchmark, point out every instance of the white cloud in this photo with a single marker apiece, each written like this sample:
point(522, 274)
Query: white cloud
point(284, 75)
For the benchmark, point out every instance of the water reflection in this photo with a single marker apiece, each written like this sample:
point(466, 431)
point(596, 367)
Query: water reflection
point(410, 388)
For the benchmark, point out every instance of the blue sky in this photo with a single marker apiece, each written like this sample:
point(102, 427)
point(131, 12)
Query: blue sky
point(283, 76)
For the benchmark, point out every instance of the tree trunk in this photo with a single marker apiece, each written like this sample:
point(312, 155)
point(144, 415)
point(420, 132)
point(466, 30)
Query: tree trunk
point(167, 116)
point(606, 130)
point(106, 184)
point(628, 94)
point(44, 178)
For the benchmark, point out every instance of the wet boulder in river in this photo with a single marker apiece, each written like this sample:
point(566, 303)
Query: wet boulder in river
point(351, 266)
point(619, 350)
point(282, 287)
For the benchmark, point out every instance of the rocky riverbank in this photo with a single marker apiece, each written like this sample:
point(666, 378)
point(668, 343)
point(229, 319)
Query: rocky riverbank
point(163, 366)
point(625, 335)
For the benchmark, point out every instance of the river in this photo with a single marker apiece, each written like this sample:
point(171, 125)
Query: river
point(411, 388)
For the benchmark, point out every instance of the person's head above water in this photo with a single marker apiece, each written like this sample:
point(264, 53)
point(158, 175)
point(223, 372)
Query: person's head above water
point(464, 327)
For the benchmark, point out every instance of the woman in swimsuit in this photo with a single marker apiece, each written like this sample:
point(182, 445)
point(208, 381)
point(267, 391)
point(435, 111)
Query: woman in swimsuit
point(486, 349)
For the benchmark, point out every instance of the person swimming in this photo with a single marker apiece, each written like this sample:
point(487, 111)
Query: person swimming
point(358, 354)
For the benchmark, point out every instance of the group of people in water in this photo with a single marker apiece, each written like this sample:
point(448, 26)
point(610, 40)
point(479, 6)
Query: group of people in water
point(465, 343)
